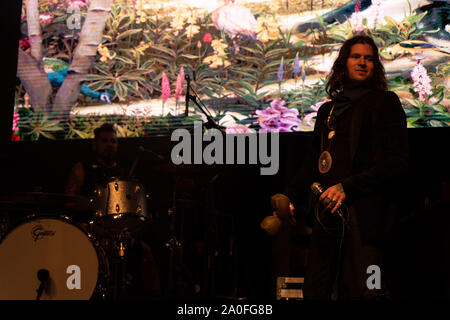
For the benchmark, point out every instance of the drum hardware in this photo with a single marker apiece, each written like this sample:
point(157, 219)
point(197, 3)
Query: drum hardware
point(121, 281)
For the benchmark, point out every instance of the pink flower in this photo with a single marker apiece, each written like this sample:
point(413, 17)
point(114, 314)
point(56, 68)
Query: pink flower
point(278, 118)
point(207, 37)
point(180, 82)
point(422, 82)
point(24, 43)
point(165, 87)
point(356, 19)
point(238, 128)
point(46, 18)
point(16, 122)
point(15, 137)
point(76, 4)
point(376, 4)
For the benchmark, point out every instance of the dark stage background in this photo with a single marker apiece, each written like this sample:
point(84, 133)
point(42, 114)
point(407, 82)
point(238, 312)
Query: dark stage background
point(223, 203)
point(229, 202)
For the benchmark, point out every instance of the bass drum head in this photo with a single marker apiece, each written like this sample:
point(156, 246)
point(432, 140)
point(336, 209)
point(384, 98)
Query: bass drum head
point(54, 244)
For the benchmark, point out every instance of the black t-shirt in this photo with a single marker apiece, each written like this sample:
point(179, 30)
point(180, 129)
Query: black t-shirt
point(96, 173)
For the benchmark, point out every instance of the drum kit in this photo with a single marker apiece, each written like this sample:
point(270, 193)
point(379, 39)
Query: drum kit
point(46, 253)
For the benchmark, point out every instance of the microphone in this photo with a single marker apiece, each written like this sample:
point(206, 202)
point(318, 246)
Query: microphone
point(43, 275)
point(317, 189)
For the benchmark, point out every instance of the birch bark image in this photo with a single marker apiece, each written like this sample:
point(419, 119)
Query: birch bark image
point(30, 68)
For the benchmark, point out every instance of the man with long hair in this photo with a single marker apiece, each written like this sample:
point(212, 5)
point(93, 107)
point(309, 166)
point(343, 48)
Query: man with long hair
point(358, 156)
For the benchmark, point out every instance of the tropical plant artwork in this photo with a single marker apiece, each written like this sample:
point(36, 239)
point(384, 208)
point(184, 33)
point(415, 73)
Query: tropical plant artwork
point(250, 64)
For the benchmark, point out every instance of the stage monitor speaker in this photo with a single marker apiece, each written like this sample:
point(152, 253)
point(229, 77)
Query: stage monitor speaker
point(290, 288)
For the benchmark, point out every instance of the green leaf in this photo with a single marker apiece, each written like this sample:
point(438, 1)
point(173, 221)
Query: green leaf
point(239, 92)
point(247, 86)
point(251, 101)
point(416, 17)
point(189, 56)
point(120, 89)
point(246, 74)
point(255, 60)
point(414, 103)
point(276, 52)
point(128, 33)
point(252, 50)
point(124, 22)
point(271, 65)
point(168, 51)
point(390, 21)
point(268, 83)
point(125, 60)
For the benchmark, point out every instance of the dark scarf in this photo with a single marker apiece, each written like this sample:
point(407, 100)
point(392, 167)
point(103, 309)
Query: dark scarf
point(352, 92)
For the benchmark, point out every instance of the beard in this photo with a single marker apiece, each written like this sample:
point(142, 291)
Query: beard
point(108, 156)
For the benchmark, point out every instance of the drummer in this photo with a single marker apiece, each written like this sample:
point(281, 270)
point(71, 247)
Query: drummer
point(98, 168)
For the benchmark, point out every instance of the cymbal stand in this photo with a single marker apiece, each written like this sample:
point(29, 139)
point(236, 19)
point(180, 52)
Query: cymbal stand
point(121, 242)
point(172, 244)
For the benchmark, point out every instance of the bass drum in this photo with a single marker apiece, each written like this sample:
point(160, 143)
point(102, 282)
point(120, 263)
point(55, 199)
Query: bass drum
point(77, 266)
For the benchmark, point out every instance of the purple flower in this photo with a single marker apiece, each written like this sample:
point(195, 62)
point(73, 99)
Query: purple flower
point(296, 65)
point(238, 128)
point(422, 82)
point(317, 106)
point(307, 119)
point(281, 71)
point(278, 118)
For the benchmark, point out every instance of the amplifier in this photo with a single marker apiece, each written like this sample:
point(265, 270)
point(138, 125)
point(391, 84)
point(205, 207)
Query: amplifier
point(290, 288)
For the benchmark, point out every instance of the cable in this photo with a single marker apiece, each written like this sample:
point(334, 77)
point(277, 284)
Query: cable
point(344, 221)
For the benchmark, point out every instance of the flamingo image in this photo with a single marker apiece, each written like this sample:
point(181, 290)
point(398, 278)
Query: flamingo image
point(234, 19)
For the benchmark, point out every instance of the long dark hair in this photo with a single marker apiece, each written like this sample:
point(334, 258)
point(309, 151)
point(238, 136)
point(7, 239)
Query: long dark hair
point(338, 76)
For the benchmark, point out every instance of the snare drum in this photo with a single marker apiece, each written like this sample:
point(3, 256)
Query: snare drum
point(77, 266)
point(120, 203)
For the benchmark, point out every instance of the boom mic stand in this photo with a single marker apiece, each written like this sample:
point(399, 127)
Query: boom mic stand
point(210, 123)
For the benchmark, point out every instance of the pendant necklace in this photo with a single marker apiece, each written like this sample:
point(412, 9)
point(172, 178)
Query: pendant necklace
point(325, 159)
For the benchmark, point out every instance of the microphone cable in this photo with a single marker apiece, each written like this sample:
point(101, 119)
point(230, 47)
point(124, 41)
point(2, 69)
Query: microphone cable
point(332, 231)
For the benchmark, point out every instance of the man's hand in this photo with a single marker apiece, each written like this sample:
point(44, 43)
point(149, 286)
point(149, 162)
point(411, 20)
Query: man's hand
point(335, 195)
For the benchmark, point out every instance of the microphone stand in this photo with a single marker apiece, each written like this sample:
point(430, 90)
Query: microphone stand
point(210, 121)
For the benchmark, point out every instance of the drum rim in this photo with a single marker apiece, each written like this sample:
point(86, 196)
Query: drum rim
point(126, 179)
point(103, 272)
point(61, 217)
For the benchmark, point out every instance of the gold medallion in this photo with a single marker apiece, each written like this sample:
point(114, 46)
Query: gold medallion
point(331, 134)
point(325, 161)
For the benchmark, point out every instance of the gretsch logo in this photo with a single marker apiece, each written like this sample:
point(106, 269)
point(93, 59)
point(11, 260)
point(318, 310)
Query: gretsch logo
point(39, 232)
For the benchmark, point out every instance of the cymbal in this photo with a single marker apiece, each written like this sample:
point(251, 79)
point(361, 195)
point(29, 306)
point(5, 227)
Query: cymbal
point(39, 200)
